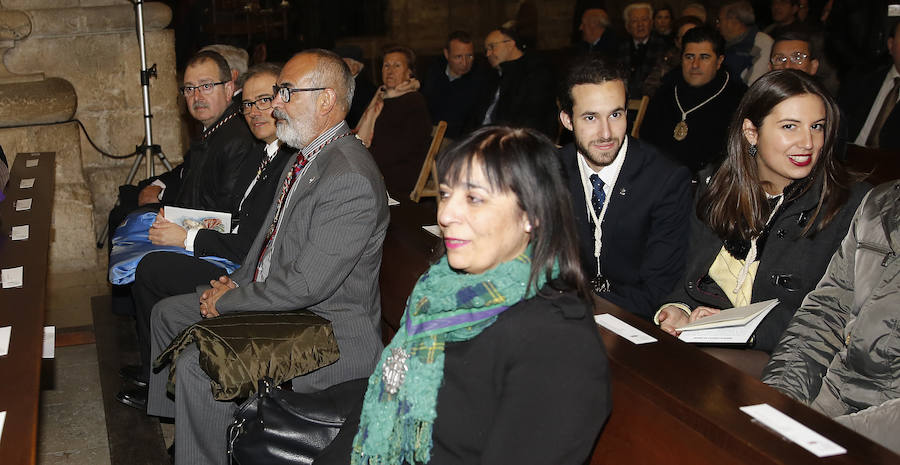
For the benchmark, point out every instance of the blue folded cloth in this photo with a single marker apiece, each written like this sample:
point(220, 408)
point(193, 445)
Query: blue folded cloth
point(130, 243)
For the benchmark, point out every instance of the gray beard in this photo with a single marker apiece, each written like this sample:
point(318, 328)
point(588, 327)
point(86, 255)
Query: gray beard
point(290, 136)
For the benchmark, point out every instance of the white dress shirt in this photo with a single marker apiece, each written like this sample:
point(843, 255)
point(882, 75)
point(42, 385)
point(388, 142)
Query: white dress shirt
point(608, 174)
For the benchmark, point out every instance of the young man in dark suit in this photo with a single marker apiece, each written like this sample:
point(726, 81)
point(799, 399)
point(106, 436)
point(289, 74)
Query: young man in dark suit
point(631, 203)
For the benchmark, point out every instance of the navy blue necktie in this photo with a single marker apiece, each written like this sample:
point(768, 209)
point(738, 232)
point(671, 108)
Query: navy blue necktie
point(598, 197)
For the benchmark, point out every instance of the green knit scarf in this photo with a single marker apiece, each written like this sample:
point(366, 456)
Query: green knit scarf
point(445, 306)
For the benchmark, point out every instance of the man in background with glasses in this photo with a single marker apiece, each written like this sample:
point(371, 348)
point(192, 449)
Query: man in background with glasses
point(794, 50)
point(163, 274)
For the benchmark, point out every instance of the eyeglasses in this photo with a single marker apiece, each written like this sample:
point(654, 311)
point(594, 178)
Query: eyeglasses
point(797, 58)
point(491, 46)
point(285, 92)
point(261, 104)
point(205, 89)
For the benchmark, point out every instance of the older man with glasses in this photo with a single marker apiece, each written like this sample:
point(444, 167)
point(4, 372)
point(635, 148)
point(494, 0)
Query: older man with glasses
point(163, 274)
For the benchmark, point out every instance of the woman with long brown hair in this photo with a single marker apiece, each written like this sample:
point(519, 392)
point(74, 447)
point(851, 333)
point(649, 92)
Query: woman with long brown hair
point(768, 221)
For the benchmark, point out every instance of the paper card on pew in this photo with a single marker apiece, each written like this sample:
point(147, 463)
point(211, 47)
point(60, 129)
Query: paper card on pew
point(49, 348)
point(433, 229)
point(23, 204)
point(31, 163)
point(623, 329)
point(5, 333)
point(19, 233)
point(731, 329)
point(793, 430)
point(26, 183)
point(11, 277)
point(2, 422)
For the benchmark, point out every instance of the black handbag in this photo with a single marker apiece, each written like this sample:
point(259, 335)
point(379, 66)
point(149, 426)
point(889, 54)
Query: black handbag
point(276, 426)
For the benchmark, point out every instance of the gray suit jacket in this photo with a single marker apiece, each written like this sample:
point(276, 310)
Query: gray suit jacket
point(326, 258)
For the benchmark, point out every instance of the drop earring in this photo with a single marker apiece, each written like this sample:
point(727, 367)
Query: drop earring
point(752, 151)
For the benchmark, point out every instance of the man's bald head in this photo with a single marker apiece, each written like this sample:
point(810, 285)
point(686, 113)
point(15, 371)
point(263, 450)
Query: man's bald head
point(594, 22)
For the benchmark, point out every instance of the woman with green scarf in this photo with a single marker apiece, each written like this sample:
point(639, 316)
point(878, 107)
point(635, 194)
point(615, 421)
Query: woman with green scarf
point(497, 359)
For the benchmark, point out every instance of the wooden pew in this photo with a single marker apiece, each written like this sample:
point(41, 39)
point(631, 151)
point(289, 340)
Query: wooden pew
point(672, 403)
point(23, 307)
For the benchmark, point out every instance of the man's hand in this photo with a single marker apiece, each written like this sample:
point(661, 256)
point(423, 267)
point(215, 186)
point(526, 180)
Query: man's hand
point(209, 297)
point(148, 195)
point(672, 317)
point(165, 232)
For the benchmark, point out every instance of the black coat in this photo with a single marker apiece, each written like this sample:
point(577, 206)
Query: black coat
point(707, 125)
point(527, 96)
point(857, 98)
point(645, 228)
point(208, 177)
point(639, 63)
point(789, 265)
point(537, 376)
point(454, 101)
point(253, 212)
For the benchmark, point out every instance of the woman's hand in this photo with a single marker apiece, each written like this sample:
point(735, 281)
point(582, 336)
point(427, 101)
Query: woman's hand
point(404, 87)
point(701, 312)
point(672, 317)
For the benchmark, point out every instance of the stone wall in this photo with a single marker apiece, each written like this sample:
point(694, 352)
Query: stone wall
point(92, 45)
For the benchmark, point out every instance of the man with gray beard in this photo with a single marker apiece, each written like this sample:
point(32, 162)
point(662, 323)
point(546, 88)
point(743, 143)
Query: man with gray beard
point(320, 250)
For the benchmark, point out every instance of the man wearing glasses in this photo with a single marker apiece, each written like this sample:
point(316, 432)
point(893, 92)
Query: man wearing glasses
point(163, 274)
point(207, 177)
point(319, 248)
point(794, 50)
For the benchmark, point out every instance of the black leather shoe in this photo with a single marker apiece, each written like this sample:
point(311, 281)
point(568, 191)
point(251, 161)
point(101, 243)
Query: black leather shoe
point(134, 374)
point(136, 398)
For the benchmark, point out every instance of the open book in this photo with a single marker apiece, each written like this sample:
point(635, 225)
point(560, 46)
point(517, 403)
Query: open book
point(189, 218)
point(731, 326)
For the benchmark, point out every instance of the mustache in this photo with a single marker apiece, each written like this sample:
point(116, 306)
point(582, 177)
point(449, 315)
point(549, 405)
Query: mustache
point(199, 104)
point(278, 113)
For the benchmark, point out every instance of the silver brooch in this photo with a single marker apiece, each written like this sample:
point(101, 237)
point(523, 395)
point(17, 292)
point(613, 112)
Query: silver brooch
point(394, 371)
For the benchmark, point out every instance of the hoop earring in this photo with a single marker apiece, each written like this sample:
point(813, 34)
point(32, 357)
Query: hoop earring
point(752, 151)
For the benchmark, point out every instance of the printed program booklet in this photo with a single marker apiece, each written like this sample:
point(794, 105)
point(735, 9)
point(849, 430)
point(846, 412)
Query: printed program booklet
point(191, 219)
point(731, 326)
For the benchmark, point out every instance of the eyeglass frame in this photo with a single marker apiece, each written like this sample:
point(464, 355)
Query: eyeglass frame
point(490, 47)
point(797, 58)
point(284, 91)
point(247, 106)
point(205, 88)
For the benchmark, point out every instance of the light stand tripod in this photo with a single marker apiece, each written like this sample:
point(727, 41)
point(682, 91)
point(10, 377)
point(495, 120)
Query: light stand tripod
point(148, 149)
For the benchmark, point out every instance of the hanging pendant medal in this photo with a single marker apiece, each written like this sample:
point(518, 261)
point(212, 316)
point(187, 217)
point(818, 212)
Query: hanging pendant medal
point(393, 373)
point(681, 131)
point(600, 284)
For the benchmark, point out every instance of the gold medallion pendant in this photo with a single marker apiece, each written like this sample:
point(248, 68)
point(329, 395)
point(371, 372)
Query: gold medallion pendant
point(680, 131)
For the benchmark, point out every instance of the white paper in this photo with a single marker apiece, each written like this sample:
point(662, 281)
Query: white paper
point(31, 163)
point(392, 202)
point(793, 430)
point(433, 229)
point(23, 204)
point(26, 183)
point(49, 341)
point(623, 329)
point(19, 233)
point(11, 277)
point(189, 218)
point(2, 421)
point(724, 335)
point(5, 332)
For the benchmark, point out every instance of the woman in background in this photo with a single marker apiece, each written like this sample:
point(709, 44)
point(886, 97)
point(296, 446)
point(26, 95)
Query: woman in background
point(396, 125)
point(768, 221)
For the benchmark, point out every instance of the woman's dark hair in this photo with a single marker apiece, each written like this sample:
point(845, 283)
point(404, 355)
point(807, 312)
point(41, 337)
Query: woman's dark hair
point(524, 162)
point(735, 204)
